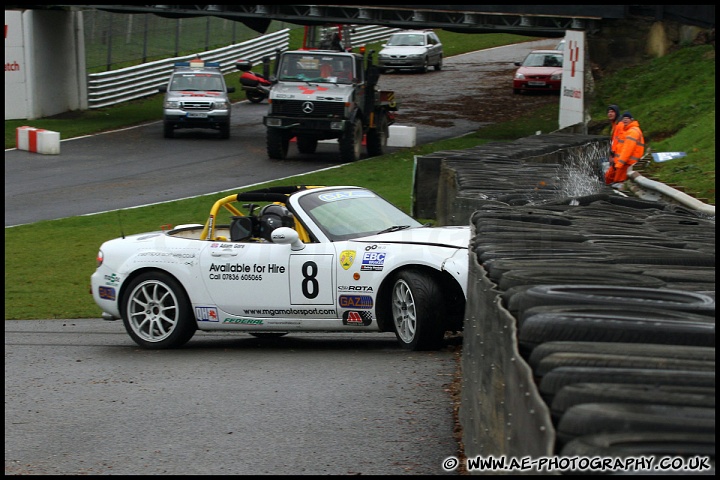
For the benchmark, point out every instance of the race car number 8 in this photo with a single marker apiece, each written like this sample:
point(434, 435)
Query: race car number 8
point(310, 286)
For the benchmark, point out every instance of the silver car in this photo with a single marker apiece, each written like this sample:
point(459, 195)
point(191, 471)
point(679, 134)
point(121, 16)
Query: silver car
point(411, 50)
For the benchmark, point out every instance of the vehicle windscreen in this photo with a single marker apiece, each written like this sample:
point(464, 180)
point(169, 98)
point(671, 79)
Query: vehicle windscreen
point(196, 82)
point(406, 41)
point(354, 213)
point(543, 60)
point(316, 68)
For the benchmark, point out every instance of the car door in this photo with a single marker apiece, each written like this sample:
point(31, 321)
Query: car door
point(435, 48)
point(267, 280)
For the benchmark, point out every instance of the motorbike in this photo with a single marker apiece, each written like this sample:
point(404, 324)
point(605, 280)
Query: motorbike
point(255, 85)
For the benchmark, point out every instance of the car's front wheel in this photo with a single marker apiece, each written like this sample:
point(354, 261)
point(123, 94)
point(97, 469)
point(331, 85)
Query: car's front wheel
point(156, 312)
point(416, 306)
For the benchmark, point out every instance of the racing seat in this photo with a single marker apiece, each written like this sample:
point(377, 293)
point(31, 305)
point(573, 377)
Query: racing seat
point(241, 228)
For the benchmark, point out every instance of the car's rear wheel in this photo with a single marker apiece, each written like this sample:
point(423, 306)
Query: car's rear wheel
point(156, 312)
point(416, 306)
point(278, 142)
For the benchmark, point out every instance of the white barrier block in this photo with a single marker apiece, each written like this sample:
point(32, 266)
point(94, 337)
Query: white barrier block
point(401, 136)
point(37, 140)
point(48, 142)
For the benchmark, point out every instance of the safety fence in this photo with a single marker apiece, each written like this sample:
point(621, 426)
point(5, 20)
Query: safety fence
point(131, 83)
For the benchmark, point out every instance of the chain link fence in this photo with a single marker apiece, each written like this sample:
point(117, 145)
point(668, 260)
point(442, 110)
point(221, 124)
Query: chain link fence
point(119, 40)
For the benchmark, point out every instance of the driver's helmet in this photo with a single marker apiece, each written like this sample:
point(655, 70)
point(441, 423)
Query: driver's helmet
point(273, 216)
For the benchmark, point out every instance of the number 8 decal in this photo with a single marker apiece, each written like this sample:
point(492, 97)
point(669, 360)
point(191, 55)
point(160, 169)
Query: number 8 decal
point(310, 286)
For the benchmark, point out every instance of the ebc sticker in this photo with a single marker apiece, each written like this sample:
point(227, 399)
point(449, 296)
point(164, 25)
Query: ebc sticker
point(357, 318)
point(373, 261)
point(356, 301)
point(107, 293)
point(206, 314)
point(346, 195)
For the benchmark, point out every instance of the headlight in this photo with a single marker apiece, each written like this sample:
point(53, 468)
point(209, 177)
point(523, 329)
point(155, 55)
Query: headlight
point(417, 55)
point(171, 104)
point(220, 105)
point(519, 76)
point(557, 76)
point(99, 259)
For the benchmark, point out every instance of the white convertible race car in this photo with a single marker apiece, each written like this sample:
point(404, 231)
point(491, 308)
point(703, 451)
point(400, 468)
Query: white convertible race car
point(310, 259)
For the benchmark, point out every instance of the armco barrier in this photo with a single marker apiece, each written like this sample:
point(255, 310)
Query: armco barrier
point(37, 140)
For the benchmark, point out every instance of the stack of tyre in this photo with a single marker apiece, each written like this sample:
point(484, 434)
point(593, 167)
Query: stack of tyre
point(615, 309)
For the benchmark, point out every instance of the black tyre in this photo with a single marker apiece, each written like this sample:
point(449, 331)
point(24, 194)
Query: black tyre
point(559, 377)
point(168, 130)
point(255, 97)
point(688, 352)
point(426, 66)
point(156, 312)
point(225, 131)
point(377, 137)
point(417, 311)
point(278, 142)
point(577, 276)
point(578, 393)
point(306, 144)
point(609, 295)
point(438, 66)
point(351, 142)
point(631, 324)
point(598, 418)
point(579, 359)
point(635, 444)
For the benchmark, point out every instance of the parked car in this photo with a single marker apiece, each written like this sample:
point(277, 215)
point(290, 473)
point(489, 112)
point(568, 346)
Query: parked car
point(411, 50)
point(540, 71)
point(311, 259)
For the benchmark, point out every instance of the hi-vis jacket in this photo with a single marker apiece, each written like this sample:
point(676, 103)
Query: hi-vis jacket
point(630, 144)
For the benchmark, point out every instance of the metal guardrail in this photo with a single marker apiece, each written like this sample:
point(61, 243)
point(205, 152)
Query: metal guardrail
point(131, 83)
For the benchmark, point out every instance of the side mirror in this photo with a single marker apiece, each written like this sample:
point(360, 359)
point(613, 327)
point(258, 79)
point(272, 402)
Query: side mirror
point(517, 64)
point(285, 236)
point(162, 89)
point(230, 89)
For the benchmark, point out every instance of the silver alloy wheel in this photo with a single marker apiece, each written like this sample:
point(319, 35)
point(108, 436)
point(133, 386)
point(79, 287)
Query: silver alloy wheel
point(404, 312)
point(153, 311)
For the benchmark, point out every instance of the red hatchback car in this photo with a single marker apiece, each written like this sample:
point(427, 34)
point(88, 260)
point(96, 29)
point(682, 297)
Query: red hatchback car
point(540, 71)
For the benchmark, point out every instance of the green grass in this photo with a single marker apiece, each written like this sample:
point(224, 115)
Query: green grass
point(673, 97)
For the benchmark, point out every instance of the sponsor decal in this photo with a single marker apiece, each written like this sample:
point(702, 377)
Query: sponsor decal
point(244, 321)
point(107, 293)
point(347, 257)
point(112, 279)
point(357, 318)
point(375, 247)
point(355, 288)
point(373, 261)
point(335, 196)
point(206, 314)
point(356, 301)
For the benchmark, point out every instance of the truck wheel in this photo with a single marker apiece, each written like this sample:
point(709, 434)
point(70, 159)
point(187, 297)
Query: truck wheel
point(168, 131)
point(306, 144)
point(277, 144)
point(377, 137)
point(351, 142)
point(225, 131)
point(254, 97)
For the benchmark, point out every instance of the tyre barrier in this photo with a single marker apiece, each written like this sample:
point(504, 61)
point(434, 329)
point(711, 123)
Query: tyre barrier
point(579, 393)
point(598, 418)
point(590, 331)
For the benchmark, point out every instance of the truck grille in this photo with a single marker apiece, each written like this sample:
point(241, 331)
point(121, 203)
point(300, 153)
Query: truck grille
point(197, 106)
point(297, 108)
